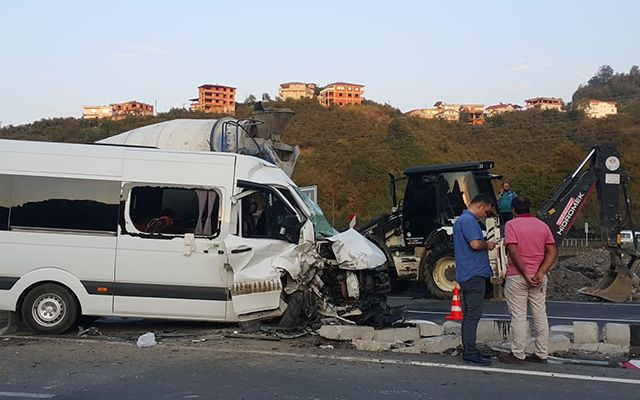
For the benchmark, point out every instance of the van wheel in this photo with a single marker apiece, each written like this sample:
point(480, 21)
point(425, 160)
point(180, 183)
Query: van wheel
point(439, 272)
point(49, 309)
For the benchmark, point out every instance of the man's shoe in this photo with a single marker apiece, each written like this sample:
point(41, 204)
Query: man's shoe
point(510, 359)
point(534, 358)
point(476, 359)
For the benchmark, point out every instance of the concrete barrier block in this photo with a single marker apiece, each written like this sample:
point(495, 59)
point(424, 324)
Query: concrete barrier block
point(617, 334)
point(452, 328)
point(397, 334)
point(407, 350)
point(601, 348)
point(493, 330)
point(438, 344)
point(370, 345)
point(566, 330)
point(428, 330)
point(346, 332)
point(585, 332)
point(558, 342)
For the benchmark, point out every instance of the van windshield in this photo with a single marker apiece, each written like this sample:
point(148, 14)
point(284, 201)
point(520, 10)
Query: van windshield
point(321, 225)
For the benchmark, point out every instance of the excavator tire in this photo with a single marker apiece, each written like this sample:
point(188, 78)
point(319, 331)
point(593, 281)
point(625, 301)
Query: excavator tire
point(439, 273)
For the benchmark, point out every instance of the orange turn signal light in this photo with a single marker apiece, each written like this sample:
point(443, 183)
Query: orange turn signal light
point(102, 289)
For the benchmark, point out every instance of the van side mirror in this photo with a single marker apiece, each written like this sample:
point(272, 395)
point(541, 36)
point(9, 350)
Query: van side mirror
point(290, 229)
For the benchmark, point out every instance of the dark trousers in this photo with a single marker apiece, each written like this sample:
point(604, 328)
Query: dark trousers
point(472, 305)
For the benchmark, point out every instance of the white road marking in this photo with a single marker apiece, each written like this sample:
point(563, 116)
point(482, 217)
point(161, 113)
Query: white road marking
point(634, 321)
point(443, 365)
point(22, 395)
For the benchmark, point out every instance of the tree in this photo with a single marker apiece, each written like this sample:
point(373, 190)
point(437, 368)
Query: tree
point(266, 97)
point(603, 76)
point(250, 99)
point(635, 71)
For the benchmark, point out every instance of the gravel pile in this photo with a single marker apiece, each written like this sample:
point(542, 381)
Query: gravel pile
point(572, 274)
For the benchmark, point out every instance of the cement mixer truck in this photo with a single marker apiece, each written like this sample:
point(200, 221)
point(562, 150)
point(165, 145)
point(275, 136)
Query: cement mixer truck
point(259, 135)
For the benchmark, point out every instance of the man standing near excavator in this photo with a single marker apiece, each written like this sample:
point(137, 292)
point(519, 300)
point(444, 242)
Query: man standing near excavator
point(472, 271)
point(532, 252)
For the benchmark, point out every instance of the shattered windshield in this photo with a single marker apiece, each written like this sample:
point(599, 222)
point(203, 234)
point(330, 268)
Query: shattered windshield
point(321, 226)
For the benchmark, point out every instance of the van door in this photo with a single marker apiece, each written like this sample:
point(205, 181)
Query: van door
point(170, 260)
point(268, 229)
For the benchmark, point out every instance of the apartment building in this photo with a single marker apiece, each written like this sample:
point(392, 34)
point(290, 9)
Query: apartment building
point(341, 94)
point(496, 109)
point(117, 110)
point(544, 103)
point(296, 90)
point(215, 99)
point(597, 108)
point(97, 112)
point(131, 108)
point(472, 114)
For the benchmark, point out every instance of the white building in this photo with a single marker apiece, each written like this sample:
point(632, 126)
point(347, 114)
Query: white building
point(598, 109)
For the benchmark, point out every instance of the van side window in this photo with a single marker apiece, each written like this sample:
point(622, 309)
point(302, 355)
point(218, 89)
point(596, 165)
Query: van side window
point(263, 215)
point(64, 204)
point(175, 211)
point(5, 198)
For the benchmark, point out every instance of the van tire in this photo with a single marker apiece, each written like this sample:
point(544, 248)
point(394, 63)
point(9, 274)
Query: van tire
point(437, 273)
point(49, 309)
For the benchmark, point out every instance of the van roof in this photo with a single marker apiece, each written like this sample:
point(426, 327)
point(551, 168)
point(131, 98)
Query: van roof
point(92, 152)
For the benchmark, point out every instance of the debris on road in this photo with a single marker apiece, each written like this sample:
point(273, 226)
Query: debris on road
point(92, 331)
point(147, 340)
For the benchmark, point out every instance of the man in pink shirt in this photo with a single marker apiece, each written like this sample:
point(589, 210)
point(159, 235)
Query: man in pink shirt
point(532, 252)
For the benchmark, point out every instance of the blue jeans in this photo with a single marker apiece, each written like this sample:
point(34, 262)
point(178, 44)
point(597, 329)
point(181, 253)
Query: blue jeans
point(472, 304)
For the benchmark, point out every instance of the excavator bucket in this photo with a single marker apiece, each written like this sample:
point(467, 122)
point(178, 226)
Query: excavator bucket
point(616, 286)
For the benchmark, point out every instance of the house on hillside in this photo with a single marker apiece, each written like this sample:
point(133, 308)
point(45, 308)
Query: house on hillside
point(597, 108)
point(341, 94)
point(501, 108)
point(544, 103)
point(472, 114)
point(296, 90)
point(215, 99)
point(117, 110)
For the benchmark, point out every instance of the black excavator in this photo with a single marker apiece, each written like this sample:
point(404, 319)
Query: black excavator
point(416, 235)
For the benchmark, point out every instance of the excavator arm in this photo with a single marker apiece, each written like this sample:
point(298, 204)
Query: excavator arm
point(600, 170)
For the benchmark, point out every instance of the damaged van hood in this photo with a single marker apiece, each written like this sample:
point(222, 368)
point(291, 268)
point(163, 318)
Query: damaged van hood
point(355, 252)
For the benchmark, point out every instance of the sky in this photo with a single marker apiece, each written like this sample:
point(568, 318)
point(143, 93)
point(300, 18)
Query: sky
point(56, 56)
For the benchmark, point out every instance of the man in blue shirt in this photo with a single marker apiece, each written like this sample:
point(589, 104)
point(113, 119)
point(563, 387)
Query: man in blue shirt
point(472, 271)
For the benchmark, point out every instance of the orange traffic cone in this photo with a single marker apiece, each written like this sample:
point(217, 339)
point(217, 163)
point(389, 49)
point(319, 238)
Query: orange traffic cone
point(456, 309)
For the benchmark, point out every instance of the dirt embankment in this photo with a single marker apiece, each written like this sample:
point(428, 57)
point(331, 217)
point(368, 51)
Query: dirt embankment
point(572, 274)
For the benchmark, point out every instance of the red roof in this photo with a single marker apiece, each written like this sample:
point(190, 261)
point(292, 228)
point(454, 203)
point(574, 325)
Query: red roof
point(345, 83)
point(210, 86)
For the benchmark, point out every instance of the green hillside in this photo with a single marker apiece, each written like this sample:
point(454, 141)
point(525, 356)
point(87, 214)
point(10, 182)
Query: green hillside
point(348, 152)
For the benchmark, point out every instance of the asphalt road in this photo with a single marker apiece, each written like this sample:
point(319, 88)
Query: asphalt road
point(68, 368)
point(558, 312)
